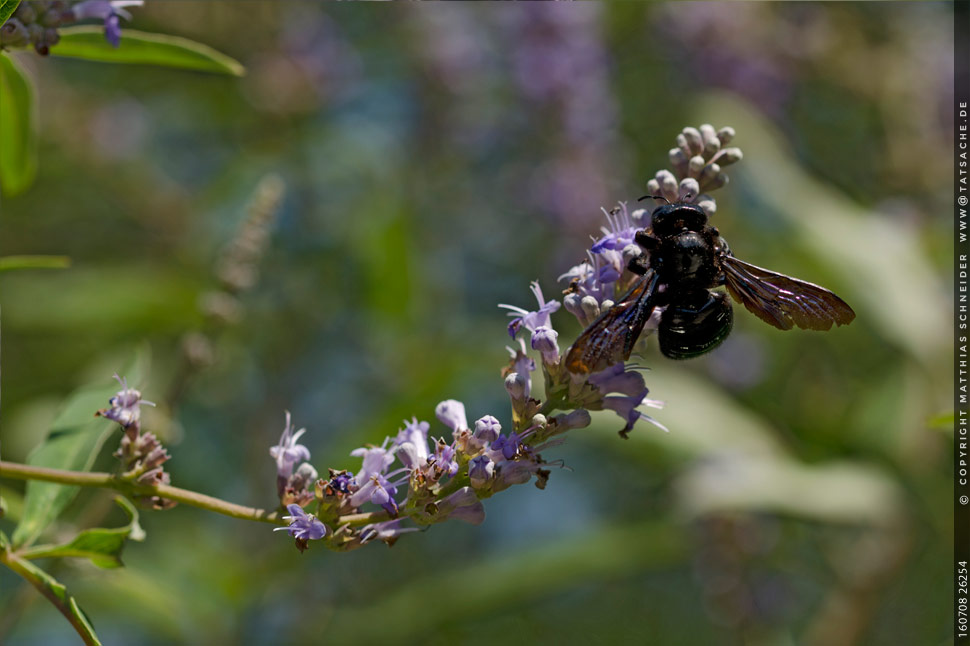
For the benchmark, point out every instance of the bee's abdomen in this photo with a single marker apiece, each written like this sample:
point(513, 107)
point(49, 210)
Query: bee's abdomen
point(694, 324)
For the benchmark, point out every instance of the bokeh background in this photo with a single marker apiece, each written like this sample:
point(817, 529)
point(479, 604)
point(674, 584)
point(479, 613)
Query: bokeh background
point(433, 160)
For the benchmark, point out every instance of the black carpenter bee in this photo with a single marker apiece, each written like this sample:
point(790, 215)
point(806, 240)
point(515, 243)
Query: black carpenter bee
point(686, 259)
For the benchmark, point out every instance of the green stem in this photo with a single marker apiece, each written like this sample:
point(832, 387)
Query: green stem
point(8, 263)
point(62, 602)
point(109, 481)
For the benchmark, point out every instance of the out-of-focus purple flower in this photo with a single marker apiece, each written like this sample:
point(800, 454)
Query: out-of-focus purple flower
point(545, 340)
point(110, 11)
point(531, 320)
point(387, 531)
point(463, 505)
point(487, 429)
point(480, 471)
point(451, 412)
point(303, 526)
point(124, 405)
point(287, 453)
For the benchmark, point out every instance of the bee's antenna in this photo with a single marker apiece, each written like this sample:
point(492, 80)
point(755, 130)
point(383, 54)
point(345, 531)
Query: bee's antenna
point(656, 197)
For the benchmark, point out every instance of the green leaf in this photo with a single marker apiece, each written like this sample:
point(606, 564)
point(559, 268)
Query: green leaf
point(102, 545)
point(18, 134)
point(138, 47)
point(11, 263)
point(7, 7)
point(74, 442)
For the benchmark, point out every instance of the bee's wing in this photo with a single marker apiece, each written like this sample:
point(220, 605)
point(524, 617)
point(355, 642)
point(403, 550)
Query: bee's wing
point(610, 338)
point(781, 300)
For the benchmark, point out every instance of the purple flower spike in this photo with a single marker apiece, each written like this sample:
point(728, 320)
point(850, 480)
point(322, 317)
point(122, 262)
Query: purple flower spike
point(303, 526)
point(452, 414)
point(287, 453)
point(110, 11)
point(531, 320)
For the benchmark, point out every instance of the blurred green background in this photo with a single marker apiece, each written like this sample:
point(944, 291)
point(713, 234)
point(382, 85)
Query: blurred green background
point(436, 158)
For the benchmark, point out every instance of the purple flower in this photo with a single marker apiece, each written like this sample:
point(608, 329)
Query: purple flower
point(617, 379)
point(531, 320)
point(507, 445)
point(480, 471)
point(517, 387)
point(523, 365)
point(594, 278)
point(621, 231)
point(412, 444)
point(387, 531)
point(378, 490)
point(487, 429)
point(303, 526)
point(375, 460)
point(110, 11)
point(452, 414)
point(545, 340)
point(341, 482)
point(626, 408)
point(124, 405)
point(444, 458)
point(463, 505)
point(287, 453)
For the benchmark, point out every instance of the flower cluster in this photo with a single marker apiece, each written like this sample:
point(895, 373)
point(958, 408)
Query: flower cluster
point(35, 23)
point(141, 454)
point(417, 477)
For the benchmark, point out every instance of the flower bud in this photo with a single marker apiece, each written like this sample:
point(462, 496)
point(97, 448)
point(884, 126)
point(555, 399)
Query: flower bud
point(545, 340)
point(480, 471)
point(487, 429)
point(451, 413)
point(516, 386)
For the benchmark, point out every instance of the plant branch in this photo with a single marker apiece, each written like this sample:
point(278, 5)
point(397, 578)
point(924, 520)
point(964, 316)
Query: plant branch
point(53, 592)
point(109, 481)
